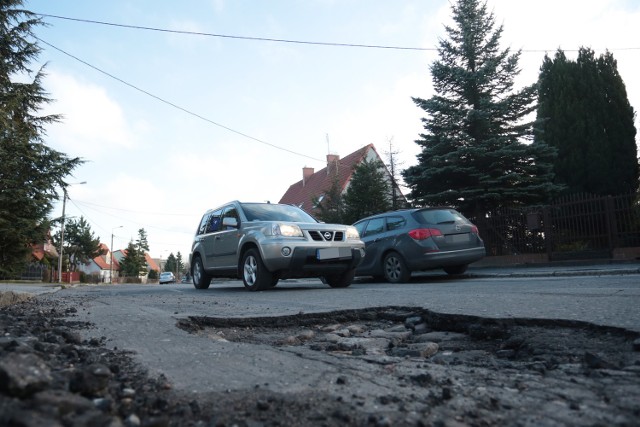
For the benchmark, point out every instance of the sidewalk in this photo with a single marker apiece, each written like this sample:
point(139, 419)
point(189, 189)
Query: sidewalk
point(561, 268)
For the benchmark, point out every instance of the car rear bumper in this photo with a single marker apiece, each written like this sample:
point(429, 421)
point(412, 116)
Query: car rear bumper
point(432, 260)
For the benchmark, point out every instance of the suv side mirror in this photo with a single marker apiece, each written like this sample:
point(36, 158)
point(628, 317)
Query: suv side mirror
point(229, 221)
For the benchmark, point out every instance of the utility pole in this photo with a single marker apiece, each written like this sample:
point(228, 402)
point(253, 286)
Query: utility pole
point(64, 205)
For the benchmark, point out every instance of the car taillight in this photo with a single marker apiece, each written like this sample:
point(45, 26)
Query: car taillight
point(474, 229)
point(424, 233)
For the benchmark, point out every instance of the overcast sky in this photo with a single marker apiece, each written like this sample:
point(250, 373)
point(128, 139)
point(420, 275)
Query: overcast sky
point(172, 124)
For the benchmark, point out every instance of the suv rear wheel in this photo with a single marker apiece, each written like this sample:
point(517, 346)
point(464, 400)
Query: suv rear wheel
point(394, 268)
point(201, 280)
point(255, 275)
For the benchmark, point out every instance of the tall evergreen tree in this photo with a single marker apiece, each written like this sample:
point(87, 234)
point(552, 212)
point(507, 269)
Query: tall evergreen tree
point(31, 173)
point(474, 151)
point(171, 263)
point(329, 207)
point(80, 244)
point(179, 263)
point(586, 115)
point(368, 192)
point(142, 247)
point(130, 265)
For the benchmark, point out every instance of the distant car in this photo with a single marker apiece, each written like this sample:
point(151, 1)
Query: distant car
point(167, 277)
point(185, 279)
point(400, 242)
point(265, 242)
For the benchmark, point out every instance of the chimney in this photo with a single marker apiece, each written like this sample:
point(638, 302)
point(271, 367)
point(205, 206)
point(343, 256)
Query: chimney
point(306, 174)
point(332, 163)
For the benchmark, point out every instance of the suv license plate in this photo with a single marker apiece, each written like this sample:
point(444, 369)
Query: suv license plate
point(333, 253)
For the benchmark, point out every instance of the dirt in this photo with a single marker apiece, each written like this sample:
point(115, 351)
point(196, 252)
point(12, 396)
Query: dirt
point(391, 366)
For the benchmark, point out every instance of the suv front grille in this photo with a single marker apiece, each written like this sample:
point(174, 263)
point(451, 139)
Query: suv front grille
point(326, 236)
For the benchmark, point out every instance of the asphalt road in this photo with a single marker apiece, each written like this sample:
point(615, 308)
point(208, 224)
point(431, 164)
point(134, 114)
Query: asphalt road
point(142, 318)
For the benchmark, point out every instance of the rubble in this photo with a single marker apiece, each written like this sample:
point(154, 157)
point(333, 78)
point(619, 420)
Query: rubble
point(393, 366)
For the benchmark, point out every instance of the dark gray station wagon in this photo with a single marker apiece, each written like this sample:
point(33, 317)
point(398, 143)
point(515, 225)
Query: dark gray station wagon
point(264, 242)
point(403, 241)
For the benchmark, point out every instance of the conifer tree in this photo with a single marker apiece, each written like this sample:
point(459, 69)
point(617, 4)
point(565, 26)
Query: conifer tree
point(31, 173)
point(586, 115)
point(476, 151)
point(368, 192)
point(329, 207)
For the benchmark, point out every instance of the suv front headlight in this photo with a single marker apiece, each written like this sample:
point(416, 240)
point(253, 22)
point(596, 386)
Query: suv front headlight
point(352, 233)
point(286, 230)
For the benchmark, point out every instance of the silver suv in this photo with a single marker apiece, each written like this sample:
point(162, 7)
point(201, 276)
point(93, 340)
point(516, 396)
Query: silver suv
point(264, 242)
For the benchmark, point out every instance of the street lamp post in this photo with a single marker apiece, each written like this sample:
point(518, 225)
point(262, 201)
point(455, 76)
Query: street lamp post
point(111, 256)
point(64, 205)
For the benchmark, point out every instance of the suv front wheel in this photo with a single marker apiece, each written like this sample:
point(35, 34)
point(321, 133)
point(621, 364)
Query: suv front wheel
point(255, 275)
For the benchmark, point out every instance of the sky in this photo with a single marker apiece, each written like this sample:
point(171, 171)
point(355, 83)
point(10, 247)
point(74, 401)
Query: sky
point(172, 124)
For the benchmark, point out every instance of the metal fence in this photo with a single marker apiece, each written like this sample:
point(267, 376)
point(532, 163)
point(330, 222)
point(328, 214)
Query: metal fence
point(573, 227)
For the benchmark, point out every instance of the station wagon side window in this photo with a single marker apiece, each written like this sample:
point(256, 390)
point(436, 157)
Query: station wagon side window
point(375, 226)
point(395, 222)
point(215, 221)
point(360, 227)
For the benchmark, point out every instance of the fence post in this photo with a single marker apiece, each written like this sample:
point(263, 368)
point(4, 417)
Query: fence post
point(612, 230)
point(548, 231)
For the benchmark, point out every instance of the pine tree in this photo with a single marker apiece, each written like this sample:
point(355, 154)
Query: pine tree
point(130, 265)
point(586, 115)
point(81, 245)
point(368, 192)
point(170, 265)
point(329, 207)
point(475, 154)
point(30, 172)
point(142, 247)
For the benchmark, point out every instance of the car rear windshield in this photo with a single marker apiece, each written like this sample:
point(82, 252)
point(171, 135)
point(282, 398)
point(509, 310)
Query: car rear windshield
point(439, 216)
point(272, 212)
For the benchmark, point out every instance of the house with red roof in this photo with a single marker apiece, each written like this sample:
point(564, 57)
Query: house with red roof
point(314, 185)
point(101, 265)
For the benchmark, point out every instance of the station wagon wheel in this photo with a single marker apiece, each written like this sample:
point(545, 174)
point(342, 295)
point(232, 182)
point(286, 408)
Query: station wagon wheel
point(394, 268)
point(456, 269)
point(201, 280)
point(341, 280)
point(255, 275)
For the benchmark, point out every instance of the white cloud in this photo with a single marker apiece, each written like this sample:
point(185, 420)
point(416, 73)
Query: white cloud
point(92, 122)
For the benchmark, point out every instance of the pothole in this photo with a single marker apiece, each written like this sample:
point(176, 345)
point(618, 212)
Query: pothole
point(428, 367)
point(405, 332)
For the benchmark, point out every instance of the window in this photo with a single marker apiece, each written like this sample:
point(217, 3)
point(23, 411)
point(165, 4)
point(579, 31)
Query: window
point(375, 226)
point(214, 221)
point(203, 224)
point(360, 227)
point(395, 222)
point(230, 212)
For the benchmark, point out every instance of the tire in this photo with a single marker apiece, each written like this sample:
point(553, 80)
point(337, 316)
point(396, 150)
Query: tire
point(255, 275)
point(456, 269)
point(274, 281)
point(201, 280)
point(341, 280)
point(395, 269)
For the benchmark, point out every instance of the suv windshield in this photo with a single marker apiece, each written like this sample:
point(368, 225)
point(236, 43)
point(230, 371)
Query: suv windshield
point(269, 212)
